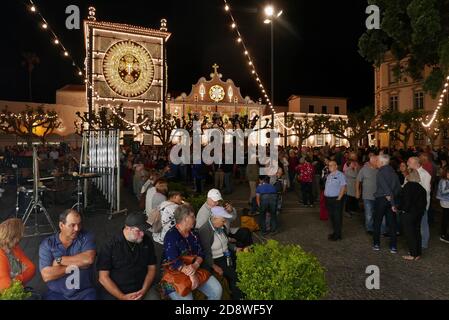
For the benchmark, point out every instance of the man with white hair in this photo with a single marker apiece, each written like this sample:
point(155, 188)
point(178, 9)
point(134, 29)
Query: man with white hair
point(425, 177)
point(240, 236)
point(386, 197)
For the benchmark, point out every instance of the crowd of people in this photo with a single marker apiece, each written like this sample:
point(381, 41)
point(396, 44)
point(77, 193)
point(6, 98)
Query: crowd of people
point(168, 250)
point(137, 263)
point(394, 187)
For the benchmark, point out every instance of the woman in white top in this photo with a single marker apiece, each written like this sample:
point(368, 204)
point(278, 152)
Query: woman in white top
point(167, 209)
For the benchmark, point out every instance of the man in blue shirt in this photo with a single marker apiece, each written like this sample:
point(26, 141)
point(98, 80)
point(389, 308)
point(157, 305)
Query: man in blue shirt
point(266, 198)
point(66, 259)
point(334, 192)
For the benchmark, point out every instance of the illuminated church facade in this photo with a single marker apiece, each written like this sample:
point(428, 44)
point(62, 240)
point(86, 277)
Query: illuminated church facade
point(214, 96)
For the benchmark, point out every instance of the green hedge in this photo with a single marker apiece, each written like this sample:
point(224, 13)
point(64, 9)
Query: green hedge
point(177, 186)
point(15, 292)
point(273, 271)
point(197, 202)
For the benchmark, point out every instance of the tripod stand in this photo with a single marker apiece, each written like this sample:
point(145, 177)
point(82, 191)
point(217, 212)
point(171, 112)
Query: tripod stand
point(79, 194)
point(36, 205)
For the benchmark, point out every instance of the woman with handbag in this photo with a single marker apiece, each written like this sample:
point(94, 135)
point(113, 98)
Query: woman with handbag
point(182, 258)
point(219, 253)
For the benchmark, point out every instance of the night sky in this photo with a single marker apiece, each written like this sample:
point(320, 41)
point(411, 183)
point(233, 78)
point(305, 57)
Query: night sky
point(316, 49)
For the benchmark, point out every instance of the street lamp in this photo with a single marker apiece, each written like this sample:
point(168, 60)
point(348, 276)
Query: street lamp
point(270, 15)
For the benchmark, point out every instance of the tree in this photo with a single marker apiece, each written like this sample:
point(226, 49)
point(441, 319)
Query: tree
point(163, 127)
point(414, 29)
point(30, 60)
point(432, 133)
point(402, 125)
point(357, 126)
point(103, 119)
point(30, 123)
point(307, 126)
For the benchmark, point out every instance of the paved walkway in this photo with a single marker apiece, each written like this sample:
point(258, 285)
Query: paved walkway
point(345, 261)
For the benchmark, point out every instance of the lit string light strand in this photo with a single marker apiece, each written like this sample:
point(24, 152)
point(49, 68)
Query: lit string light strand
point(254, 73)
point(134, 124)
point(55, 39)
point(440, 104)
point(250, 60)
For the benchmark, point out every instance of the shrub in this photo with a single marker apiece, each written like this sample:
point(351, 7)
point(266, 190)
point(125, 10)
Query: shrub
point(177, 186)
point(197, 202)
point(15, 292)
point(280, 272)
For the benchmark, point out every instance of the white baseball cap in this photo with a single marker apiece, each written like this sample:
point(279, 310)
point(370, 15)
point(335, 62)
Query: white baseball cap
point(220, 212)
point(214, 195)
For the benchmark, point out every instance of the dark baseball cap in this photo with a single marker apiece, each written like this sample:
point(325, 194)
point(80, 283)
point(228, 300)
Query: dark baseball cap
point(137, 220)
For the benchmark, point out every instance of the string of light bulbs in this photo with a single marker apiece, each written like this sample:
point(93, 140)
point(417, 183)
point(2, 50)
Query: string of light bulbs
point(240, 40)
point(55, 39)
point(440, 104)
point(134, 124)
point(254, 73)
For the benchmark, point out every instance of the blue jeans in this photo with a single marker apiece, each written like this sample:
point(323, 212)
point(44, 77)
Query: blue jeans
point(369, 213)
point(369, 216)
point(383, 210)
point(268, 202)
point(425, 232)
point(212, 289)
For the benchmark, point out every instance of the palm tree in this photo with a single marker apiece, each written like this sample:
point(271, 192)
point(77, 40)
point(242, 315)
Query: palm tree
point(30, 60)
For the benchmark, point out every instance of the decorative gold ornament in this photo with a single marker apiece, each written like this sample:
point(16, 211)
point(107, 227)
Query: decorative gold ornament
point(128, 69)
point(217, 93)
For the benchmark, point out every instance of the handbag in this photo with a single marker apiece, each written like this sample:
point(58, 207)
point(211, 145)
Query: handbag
point(180, 281)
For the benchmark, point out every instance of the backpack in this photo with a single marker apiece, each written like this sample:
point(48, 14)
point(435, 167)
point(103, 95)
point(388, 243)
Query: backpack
point(154, 218)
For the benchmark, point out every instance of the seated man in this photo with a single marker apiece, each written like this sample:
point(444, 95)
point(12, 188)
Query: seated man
point(127, 264)
point(242, 237)
point(66, 259)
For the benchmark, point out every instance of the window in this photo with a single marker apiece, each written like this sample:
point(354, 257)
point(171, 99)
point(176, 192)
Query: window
point(418, 101)
point(311, 108)
point(337, 142)
point(148, 139)
point(324, 109)
point(446, 134)
point(392, 78)
point(394, 103)
point(320, 140)
point(149, 113)
point(337, 110)
point(419, 135)
point(129, 114)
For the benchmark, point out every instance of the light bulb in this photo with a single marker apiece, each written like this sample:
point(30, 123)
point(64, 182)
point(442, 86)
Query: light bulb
point(56, 41)
point(269, 11)
point(233, 25)
point(44, 25)
point(226, 8)
point(66, 53)
point(33, 9)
